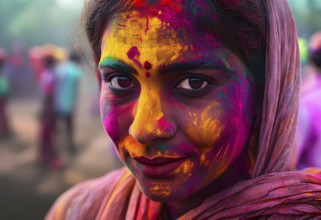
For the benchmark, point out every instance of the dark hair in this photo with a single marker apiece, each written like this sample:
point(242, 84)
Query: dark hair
point(75, 56)
point(240, 25)
point(49, 61)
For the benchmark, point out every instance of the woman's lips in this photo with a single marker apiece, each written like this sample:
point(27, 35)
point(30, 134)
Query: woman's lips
point(158, 167)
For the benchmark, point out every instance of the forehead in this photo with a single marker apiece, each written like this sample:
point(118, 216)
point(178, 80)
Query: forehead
point(160, 35)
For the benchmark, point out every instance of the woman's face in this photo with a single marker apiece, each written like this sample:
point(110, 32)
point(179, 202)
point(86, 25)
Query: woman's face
point(177, 105)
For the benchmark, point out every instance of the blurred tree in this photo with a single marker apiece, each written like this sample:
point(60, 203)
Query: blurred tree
point(35, 22)
point(307, 15)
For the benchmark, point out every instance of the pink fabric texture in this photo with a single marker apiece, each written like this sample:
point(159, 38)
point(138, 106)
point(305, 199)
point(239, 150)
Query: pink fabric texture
point(275, 191)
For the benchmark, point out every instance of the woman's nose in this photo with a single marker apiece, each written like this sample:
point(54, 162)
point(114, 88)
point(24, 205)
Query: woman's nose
point(150, 122)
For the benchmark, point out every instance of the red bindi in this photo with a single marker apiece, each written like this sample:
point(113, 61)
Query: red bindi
point(147, 74)
point(147, 65)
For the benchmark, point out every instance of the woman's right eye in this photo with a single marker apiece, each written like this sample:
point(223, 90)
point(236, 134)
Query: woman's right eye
point(120, 83)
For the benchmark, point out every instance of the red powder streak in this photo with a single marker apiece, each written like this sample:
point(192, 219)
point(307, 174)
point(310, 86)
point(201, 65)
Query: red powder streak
point(147, 65)
point(173, 4)
point(147, 74)
point(176, 5)
point(147, 26)
point(139, 3)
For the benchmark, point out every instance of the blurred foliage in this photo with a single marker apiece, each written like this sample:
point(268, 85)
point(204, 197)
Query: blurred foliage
point(35, 22)
point(303, 45)
point(307, 14)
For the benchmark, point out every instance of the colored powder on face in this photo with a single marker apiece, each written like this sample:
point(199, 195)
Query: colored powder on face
point(222, 95)
point(176, 5)
point(147, 74)
point(132, 54)
point(139, 3)
point(147, 26)
point(165, 126)
point(147, 65)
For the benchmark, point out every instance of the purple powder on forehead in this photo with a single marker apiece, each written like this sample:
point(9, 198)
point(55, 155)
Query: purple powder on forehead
point(133, 53)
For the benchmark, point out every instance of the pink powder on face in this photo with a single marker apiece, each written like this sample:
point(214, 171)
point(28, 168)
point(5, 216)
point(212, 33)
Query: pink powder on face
point(133, 53)
point(110, 122)
point(165, 126)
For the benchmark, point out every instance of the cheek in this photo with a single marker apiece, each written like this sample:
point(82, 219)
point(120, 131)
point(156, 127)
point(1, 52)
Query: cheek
point(221, 129)
point(110, 120)
point(116, 119)
point(205, 130)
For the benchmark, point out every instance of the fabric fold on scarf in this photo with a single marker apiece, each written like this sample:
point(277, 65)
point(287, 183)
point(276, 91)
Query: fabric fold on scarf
point(281, 96)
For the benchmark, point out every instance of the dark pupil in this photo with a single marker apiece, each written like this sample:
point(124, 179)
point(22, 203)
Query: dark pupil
point(195, 83)
point(124, 82)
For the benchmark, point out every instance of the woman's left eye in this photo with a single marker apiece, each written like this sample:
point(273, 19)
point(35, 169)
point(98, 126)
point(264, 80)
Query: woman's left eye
point(192, 83)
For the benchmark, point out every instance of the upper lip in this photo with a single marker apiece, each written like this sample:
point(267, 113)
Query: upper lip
point(157, 160)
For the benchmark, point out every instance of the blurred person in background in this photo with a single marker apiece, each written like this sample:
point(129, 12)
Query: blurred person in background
point(309, 127)
point(5, 130)
point(67, 75)
point(48, 153)
point(35, 59)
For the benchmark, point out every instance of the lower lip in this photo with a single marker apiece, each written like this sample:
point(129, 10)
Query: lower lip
point(160, 171)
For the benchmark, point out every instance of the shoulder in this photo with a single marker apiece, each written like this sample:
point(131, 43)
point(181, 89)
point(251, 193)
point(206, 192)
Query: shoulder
point(84, 200)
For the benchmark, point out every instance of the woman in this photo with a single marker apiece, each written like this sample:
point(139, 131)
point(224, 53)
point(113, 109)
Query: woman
point(182, 86)
point(47, 149)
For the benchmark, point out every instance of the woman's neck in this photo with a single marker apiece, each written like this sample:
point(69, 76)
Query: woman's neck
point(238, 171)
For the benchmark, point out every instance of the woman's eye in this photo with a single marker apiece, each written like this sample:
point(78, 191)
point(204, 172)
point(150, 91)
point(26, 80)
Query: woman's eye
point(192, 83)
point(120, 82)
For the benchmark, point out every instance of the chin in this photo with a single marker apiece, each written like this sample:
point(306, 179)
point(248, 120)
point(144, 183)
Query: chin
point(160, 192)
point(162, 197)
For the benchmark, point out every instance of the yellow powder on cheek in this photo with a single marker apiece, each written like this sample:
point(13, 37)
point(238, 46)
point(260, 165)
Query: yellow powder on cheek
point(185, 169)
point(130, 145)
point(204, 130)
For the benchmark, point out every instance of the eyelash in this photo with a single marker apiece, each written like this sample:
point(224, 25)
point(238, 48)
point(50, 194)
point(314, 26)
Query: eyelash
point(184, 80)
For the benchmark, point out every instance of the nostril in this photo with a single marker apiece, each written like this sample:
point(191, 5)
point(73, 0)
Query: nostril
point(150, 131)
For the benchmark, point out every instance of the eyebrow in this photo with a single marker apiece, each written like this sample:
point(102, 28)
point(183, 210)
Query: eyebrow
point(117, 65)
point(193, 65)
